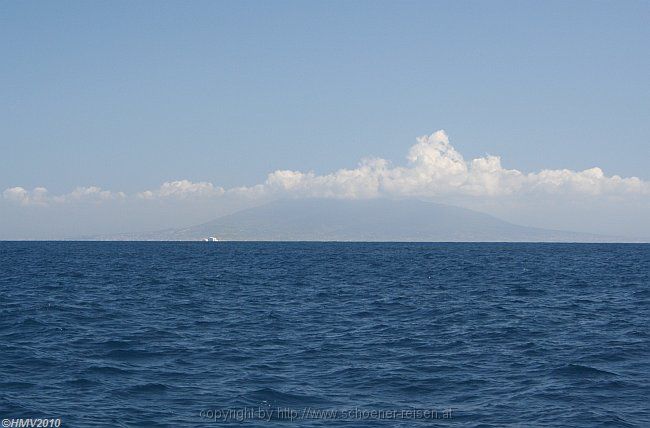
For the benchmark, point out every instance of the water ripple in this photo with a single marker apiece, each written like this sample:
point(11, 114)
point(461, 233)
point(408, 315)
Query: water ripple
point(151, 334)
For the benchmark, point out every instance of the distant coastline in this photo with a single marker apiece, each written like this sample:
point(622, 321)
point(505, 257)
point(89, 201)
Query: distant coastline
point(379, 220)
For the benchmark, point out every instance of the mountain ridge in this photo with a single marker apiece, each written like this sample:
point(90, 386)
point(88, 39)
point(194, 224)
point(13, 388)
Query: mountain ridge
point(370, 220)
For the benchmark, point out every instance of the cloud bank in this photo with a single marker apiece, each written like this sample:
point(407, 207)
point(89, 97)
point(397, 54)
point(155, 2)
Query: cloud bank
point(182, 189)
point(434, 169)
point(40, 196)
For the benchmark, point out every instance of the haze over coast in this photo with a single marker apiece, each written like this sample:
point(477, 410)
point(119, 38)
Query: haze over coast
point(407, 220)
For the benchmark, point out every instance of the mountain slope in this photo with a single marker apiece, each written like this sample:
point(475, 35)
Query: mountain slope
point(363, 220)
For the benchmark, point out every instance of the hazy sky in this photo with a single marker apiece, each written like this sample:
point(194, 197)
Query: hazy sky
point(103, 102)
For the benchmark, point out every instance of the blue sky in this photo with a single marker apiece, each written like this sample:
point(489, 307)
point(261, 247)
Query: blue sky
point(129, 95)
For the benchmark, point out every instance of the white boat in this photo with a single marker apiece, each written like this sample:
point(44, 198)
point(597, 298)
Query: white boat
point(211, 239)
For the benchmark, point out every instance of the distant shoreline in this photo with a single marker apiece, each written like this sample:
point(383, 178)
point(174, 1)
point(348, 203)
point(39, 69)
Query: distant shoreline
point(331, 241)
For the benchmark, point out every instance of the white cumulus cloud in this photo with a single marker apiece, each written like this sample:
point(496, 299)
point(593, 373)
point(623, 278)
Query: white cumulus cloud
point(433, 169)
point(39, 196)
point(92, 193)
point(182, 189)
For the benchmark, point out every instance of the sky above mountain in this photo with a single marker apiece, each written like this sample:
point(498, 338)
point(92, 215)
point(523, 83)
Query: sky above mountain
point(130, 116)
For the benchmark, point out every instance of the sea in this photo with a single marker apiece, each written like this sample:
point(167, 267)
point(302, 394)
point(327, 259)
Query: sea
point(293, 334)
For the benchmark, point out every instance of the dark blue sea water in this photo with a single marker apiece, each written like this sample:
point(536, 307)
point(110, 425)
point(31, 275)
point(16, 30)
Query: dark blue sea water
point(180, 334)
